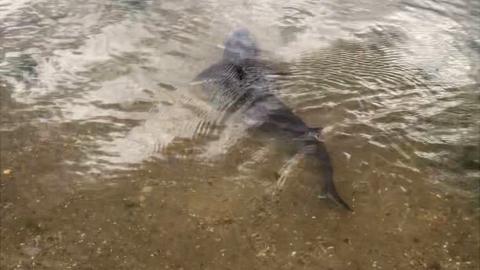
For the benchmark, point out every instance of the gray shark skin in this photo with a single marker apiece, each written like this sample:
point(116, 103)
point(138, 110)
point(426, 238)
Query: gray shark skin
point(241, 83)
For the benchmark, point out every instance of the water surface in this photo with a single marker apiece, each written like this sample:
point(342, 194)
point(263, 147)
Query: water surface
point(109, 161)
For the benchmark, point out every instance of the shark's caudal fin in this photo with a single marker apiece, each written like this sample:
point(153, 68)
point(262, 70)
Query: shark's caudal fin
point(319, 151)
point(332, 194)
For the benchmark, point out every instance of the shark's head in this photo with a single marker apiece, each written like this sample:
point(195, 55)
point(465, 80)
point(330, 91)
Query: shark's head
point(240, 46)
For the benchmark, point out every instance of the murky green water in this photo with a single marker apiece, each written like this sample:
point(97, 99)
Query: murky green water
point(107, 163)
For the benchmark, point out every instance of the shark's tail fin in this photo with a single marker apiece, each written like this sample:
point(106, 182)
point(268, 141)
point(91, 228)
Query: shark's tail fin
point(330, 191)
point(332, 194)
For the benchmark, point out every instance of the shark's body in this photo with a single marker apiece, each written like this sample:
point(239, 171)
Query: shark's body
point(241, 82)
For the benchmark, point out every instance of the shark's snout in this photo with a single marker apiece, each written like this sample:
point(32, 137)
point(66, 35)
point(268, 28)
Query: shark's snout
point(240, 46)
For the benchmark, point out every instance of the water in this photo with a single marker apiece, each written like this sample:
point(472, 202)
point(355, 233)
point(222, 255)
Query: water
point(108, 160)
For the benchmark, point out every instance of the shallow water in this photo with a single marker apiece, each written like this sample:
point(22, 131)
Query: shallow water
point(108, 160)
